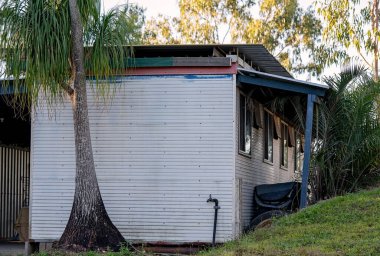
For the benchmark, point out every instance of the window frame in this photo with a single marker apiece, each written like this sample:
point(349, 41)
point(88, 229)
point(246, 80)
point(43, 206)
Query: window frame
point(284, 146)
point(298, 163)
point(268, 137)
point(248, 131)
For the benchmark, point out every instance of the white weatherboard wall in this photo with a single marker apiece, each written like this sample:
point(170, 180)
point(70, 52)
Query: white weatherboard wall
point(161, 147)
point(253, 170)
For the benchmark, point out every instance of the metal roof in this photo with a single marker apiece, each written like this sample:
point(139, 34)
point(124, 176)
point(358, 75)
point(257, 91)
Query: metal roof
point(256, 54)
point(281, 78)
point(279, 82)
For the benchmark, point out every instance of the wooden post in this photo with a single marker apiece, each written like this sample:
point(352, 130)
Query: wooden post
point(307, 149)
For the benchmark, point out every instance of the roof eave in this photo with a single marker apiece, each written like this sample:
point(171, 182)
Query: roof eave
point(254, 77)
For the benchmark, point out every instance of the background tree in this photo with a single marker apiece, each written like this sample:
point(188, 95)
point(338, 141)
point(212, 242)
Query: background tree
point(291, 34)
point(286, 30)
point(200, 22)
point(352, 24)
point(42, 45)
point(162, 30)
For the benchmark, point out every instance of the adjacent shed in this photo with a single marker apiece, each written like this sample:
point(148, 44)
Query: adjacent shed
point(14, 166)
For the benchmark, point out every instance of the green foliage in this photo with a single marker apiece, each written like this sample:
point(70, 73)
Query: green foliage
point(161, 30)
point(36, 46)
point(346, 225)
point(199, 22)
point(350, 24)
point(130, 21)
point(28, 45)
point(108, 35)
point(348, 151)
point(287, 31)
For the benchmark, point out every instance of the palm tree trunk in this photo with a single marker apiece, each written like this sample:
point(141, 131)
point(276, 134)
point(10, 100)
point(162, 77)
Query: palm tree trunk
point(89, 226)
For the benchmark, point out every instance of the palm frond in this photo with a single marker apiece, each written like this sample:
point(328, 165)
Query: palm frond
point(349, 131)
point(35, 43)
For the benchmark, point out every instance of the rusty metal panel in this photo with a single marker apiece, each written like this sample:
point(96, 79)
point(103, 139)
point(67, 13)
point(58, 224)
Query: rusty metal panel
point(14, 187)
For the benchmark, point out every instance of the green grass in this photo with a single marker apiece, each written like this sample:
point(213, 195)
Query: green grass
point(347, 225)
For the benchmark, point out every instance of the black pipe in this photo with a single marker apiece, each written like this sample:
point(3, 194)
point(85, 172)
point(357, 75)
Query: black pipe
point(216, 207)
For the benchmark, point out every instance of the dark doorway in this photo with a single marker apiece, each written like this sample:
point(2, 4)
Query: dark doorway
point(14, 124)
point(15, 135)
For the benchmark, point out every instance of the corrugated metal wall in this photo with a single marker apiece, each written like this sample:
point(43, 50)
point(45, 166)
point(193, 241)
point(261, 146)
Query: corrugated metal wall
point(254, 171)
point(14, 187)
point(161, 147)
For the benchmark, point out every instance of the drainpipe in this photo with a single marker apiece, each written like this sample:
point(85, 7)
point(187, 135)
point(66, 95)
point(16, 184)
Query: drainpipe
point(216, 207)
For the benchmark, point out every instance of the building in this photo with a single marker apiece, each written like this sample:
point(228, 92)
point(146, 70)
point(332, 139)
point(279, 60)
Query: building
point(185, 122)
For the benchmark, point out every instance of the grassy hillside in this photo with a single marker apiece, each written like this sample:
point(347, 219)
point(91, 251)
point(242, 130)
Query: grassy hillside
point(348, 225)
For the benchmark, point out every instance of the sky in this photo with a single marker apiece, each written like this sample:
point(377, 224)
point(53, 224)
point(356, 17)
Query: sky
point(166, 7)
point(153, 7)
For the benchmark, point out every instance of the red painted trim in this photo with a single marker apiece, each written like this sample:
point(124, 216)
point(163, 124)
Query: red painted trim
point(181, 71)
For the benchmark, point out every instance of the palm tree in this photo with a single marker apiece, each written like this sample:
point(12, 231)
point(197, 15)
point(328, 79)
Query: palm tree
point(42, 44)
point(348, 151)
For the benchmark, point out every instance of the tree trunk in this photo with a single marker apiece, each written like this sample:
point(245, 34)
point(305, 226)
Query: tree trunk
point(89, 226)
point(375, 30)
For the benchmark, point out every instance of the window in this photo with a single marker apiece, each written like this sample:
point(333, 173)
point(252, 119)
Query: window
point(298, 154)
point(284, 145)
point(268, 136)
point(245, 131)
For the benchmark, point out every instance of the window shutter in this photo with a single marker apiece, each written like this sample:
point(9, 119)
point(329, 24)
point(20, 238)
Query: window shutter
point(258, 115)
point(251, 106)
point(277, 126)
point(292, 139)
